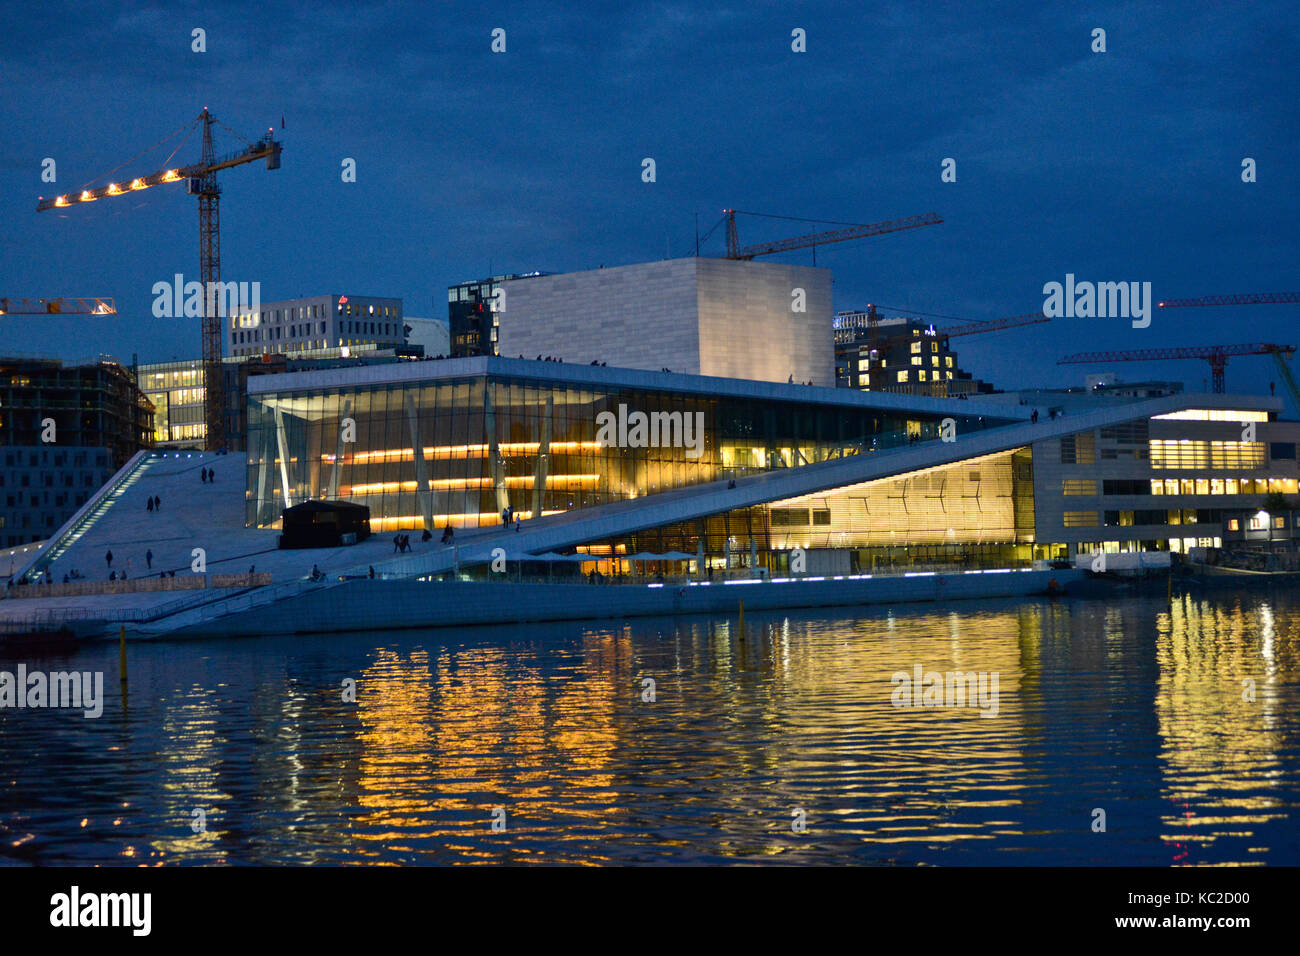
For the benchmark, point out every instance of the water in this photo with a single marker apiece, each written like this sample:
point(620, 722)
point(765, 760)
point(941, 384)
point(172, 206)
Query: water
point(1127, 706)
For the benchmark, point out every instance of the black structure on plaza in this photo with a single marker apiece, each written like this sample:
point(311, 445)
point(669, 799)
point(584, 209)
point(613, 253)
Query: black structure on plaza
point(324, 524)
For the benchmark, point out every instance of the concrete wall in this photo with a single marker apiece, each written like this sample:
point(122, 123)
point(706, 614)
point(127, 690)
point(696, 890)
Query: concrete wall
point(748, 328)
point(384, 605)
point(700, 316)
point(640, 316)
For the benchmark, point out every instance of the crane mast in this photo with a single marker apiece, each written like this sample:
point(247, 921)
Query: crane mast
point(201, 181)
point(214, 381)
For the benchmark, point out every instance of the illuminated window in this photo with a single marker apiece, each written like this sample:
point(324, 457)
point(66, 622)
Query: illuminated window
point(1205, 454)
point(1214, 415)
point(921, 375)
point(1080, 519)
point(1071, 486)
point(916, 360)
point(1234, 524)
point(902, 376)
point(947, 360)
point(916, 348)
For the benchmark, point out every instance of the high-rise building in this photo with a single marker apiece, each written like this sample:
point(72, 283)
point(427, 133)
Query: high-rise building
point(896, 354)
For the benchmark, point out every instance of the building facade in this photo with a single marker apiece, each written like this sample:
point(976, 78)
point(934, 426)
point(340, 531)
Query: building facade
point(316, 325)
point(178, 393)
point(472, 314)
point(1173, 482)
point(900, 355)
point(427, 445)
point(538, 437)
point(64, 430)
point(431, 336)
point(699, 316)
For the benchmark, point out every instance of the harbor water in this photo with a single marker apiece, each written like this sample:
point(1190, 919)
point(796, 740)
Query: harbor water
point(1129, 731)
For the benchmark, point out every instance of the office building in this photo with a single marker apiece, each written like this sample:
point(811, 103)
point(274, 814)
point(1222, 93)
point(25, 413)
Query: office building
point(901, 355)
point(319, 325)
point(64, 430)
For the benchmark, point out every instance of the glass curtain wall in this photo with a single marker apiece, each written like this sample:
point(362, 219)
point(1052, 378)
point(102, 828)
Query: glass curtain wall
point(536, 447)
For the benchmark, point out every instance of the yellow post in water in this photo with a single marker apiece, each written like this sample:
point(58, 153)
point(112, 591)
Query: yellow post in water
point(742, 620)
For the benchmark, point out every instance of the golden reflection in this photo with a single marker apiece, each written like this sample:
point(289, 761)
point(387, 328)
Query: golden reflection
point(1217, 706)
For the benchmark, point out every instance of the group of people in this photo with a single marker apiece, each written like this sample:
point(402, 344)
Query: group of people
point(402, 543)
point(448, 535)
point(121, 575)
point(508, 515)
point(207, 476)
point(154, 504)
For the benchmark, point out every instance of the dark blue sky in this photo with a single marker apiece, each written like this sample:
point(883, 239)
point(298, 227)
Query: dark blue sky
point(1117, 166)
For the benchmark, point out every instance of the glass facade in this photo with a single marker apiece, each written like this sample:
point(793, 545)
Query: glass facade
point(178, 392)
point(530, 444)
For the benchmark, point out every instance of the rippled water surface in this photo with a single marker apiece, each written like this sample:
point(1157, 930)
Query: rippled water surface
point(1133, 707)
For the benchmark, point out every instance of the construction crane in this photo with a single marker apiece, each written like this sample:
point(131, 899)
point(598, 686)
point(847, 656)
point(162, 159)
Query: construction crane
point(736, 251)
point(64, 305)
point(995, 325)
point(1246, 298)
point(1216, 355)
point(201, 181)
point(870, 320)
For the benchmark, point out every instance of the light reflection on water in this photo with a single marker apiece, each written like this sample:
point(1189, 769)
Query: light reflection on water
point(1133, 707)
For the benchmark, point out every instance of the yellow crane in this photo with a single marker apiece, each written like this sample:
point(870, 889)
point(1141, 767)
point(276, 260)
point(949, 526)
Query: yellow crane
point(201, 180)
